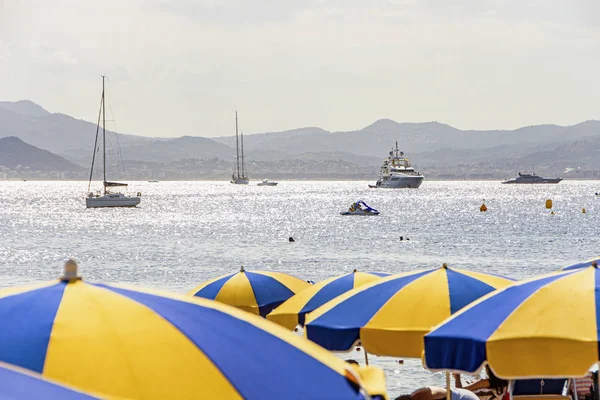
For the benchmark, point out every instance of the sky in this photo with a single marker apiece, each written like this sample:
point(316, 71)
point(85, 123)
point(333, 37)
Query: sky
point(183, 67)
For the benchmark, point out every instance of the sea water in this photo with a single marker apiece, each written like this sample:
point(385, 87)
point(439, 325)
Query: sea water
point(184, 233)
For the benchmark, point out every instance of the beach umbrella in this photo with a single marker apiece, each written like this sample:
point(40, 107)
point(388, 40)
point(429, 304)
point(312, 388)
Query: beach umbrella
point(542, 327)
point(21, 384)
point(291, 313)
point(390, 316)
point(257, 292)
point(583, 264)
point(126, 342)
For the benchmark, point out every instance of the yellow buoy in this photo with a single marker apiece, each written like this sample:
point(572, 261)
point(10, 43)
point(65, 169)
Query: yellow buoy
point(548, 204)
point(583, 210)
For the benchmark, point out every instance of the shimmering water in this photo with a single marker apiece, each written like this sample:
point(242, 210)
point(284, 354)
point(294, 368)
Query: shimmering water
point(186, 232)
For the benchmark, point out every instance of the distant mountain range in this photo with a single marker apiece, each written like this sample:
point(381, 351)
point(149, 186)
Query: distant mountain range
point(436, 149)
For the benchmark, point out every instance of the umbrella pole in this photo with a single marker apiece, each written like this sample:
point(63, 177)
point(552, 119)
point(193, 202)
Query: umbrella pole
point(366, 356)
point(448, 394)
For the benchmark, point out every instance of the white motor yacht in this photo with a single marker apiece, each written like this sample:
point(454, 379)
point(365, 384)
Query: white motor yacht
point(266, 182)
point(397, 172)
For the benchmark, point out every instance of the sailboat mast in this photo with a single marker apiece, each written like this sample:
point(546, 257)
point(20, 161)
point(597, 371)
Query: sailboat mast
point(104, 134)
point(95, 142)
point(242, 138)
point(237, 147)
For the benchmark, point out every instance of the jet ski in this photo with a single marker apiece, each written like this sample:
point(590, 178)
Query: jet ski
point(360, 208)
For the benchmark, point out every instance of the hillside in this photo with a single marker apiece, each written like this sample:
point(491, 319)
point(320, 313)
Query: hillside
point(15, 154)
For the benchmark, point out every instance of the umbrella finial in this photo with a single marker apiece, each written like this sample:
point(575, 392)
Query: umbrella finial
point(242, 269)
point(355, 270)
point(445, 266)
point(70, 271)
point(595, 264)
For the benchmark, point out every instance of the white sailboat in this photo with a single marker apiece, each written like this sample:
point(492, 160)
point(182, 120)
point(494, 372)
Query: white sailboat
point(106, 198)
point(239, 177)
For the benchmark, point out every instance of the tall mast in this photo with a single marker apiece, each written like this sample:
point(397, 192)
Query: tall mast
point(242, 138)
point(96, 142)
point(237, 147)
point(104, 134)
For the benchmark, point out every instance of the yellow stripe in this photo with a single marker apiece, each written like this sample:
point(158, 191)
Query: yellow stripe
point(553, 332)
point(106, 343)
point(287, 313)
point(397, 329)
point(11, 291)
point(237, 292)
point(496, 282)
point(291, 282)
point(362, 278)
point(304, 345)
point(333, 303)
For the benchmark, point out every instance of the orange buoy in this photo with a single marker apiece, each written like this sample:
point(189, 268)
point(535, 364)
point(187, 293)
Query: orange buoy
point(583, 210)
point(483, 208)
point(548, 204)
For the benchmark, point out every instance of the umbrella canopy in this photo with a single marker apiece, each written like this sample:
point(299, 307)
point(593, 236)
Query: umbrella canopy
point(20, 384)
point(257, 292)
point(583, 264)
point(542, 327)
point(390, 316)
point(127, 342)
point(291, 313)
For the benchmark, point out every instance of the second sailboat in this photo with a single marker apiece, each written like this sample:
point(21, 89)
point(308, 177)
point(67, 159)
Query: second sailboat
point(239, 177)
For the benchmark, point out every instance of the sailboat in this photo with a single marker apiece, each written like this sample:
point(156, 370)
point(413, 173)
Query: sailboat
point(106, 198)
point(239, 177)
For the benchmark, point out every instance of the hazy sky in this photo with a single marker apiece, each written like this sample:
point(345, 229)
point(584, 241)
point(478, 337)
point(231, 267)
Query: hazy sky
point(184, 67)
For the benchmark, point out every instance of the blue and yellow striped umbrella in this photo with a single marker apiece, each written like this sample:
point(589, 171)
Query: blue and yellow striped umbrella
point(543, 327)
point(20, 384)
point(257, 292)
point(126, 342)
point(583, 264)
point(390, 316)
point(291, 313)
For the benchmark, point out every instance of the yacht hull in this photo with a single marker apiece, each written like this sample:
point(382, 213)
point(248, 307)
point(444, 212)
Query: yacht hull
point(240, 181)
point(532, 181)
point(399, 182)
point(111, 201)
point(267, 184)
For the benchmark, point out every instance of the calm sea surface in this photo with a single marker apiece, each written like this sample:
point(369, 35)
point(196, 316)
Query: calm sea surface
point(187, 232)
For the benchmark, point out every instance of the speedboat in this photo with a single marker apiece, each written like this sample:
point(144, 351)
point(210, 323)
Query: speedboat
point(360, 208)
point(531, 179)
point(266, 182)
point(397, 172)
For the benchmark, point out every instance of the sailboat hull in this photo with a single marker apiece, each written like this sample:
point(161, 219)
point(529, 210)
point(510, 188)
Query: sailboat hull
point(112, 200)
point(239, 181)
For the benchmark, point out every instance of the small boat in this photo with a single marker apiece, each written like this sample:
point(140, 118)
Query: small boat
point(531, 179)
point(107, 198)
point(153, 181)
point(360, 208)
point(266, 182)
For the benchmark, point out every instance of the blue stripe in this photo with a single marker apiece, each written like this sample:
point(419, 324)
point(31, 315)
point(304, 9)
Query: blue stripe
point(339, 328)
point(464, 289)
point(379, 274)
point(211, 290)
point(460, 344)
point(18, 386)
point(268, 292)
point(328, 292)
point(258, 364)
point(27, 320)
point(582, 265)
